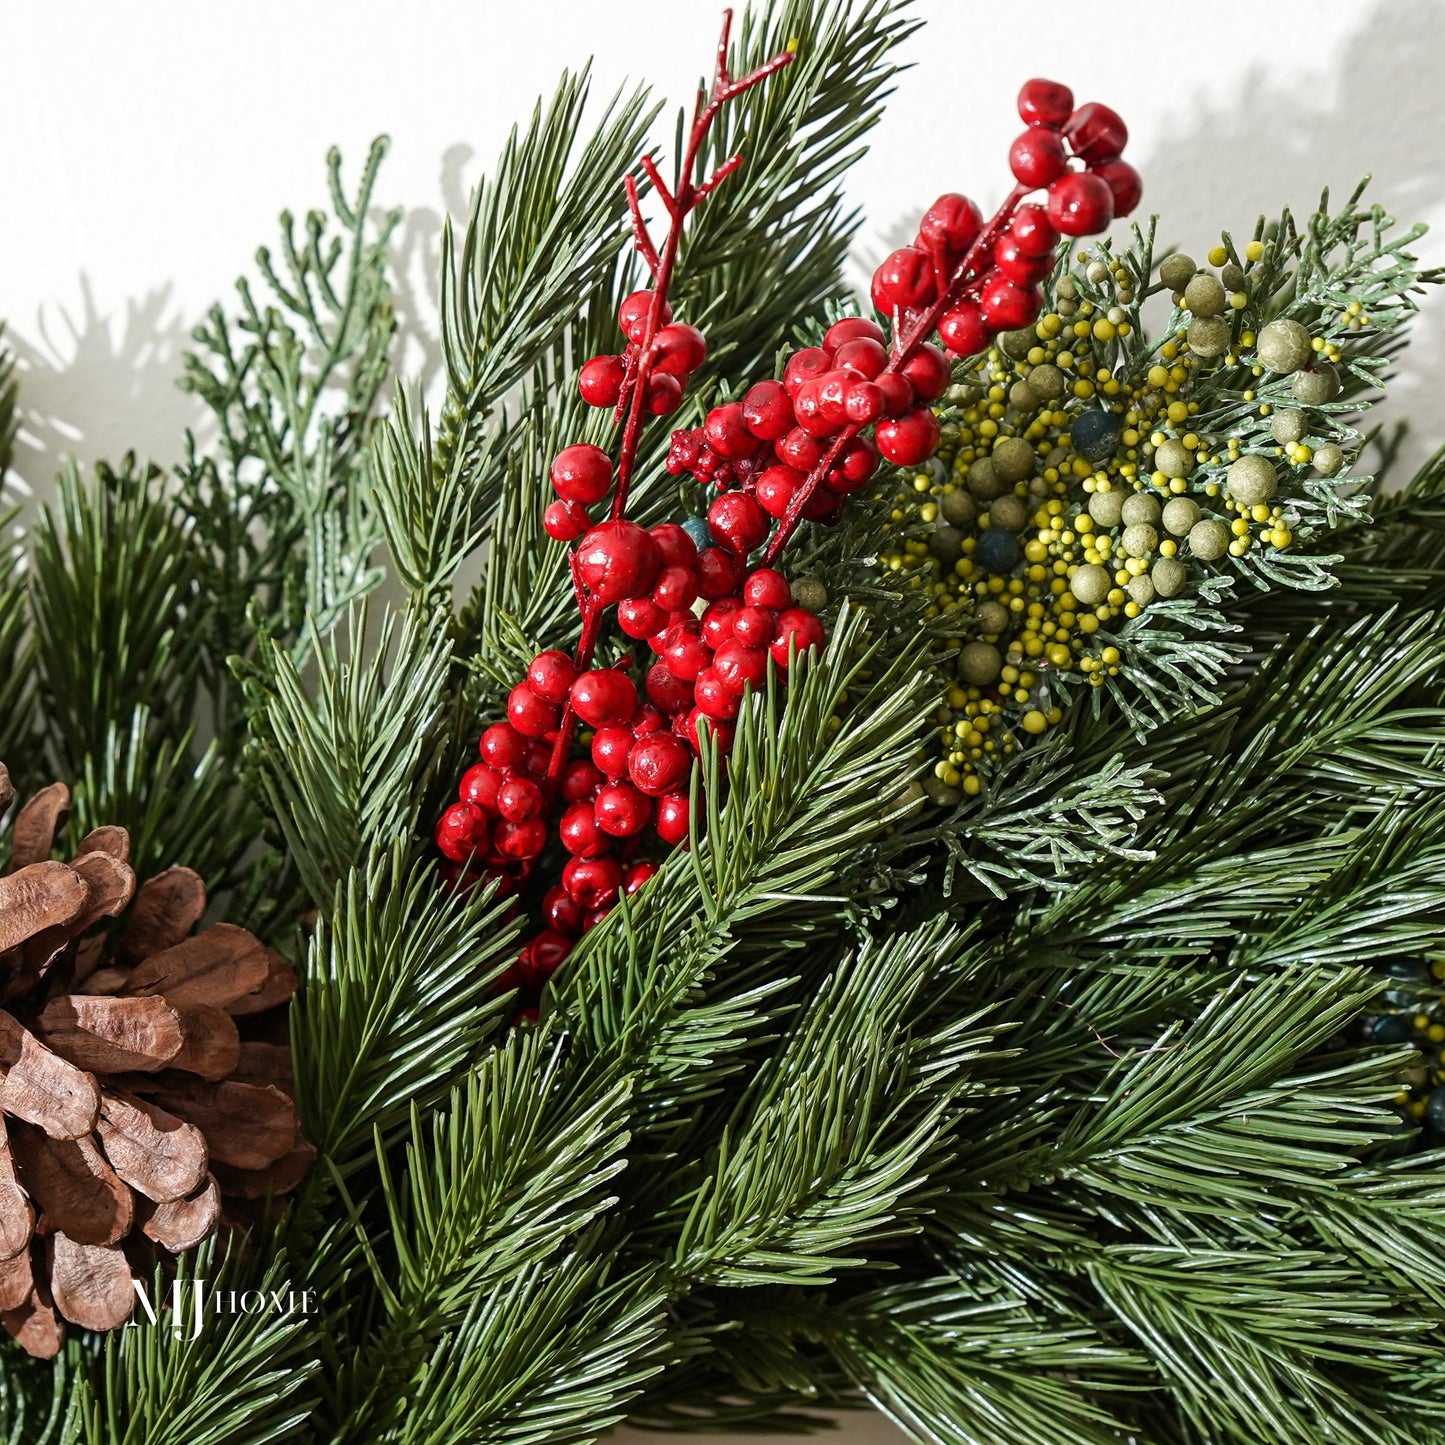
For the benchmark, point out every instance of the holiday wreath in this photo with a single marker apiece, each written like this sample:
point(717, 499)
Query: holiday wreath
point(914, 877)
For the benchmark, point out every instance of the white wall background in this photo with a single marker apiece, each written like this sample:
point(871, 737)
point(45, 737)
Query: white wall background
point(147, 149)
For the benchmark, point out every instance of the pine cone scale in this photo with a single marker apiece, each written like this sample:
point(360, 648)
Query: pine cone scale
point(157, 1154)
point(42, 1088)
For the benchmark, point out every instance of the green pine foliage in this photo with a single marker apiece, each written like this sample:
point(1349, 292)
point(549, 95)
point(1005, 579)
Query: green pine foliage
point(1055, 1118)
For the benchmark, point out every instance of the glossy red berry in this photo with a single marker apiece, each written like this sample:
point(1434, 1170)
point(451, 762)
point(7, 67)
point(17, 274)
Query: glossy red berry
point(610, 747)
point(502, 747)
point(1123, 182)
point(528, 713)
point(1080, 204)
point(833, 389)
point(593, 882)
point(519, 799)
point(550, 675)
point(717, 621)
point(1033, 231)
point(800, 628)
point(738, 521)
point(479, 787)
point(714, 697)
point(675, 589)
point(617, 559)
point(672, 816)
point(537, 759)
point(753, 626)
point(659, 763)
point(799, 450)
point(963, 330)
point(808, 407)
point(1037, 157)
point(520, 841)
point(865, 403)
point(578, 832)
point(776, 488)
point(768, 411)
point(544, 956)
point(566, 521)
point(622, 809)
point(684, 651)
point(897, 392)
point(856, 464)
point(1019, 267)
point(647, 719)
point(718, 572)
point(1007, 306)
point(560, 913)
point(851, 328)
point(580, 779)
point(636, 875)
point(823, 506)
point(1096, 133)
point(727, 432)
point(600, 380)
point(803, 366)
point(674, 546)
point(862, 354)
point(950, 225)
point(640, 617)
point(668, 691)
point(909, 439)
point(604, 696)
point(582, 473)
point(1045, 102)
point(904, 281)
point(632, 315)
point(767, 587)
point(664, 394)
point(737, 665)
point(678, 349)
point(929, 372)
point(462, 831)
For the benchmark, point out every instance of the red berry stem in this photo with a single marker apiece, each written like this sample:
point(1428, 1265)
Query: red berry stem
point(906, 343)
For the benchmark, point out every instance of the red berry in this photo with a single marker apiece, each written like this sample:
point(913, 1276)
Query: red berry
point(582, 473)
point(776, 488)
point(580, 779)
point(737, 521)
point(808, 407)
point(1037, 157)
point(550, 675)
point(904, 281)
point(592, 882)
point(850, 328)
point(520, 841)
point(664, 394)
point(767, 411)
point(636, 875)
point(799, 450)
point(950, 225)
point(604, 696)
point(863, 355)
point(717, 621)
point(1123, 183)
point(718, 572)
point(502, 747)
point(622, 810)
point(678, 349)
point(767, 587)
point(479, 787)
point(910, 439)
point(561, 913)
point(803, 366)
point(823, 506)
point(543, 956)
point(865, 403)
point(659, 763)
point(964, 331)
point(640, 617)
point(633, 313)
point(684, 651)
point(566, 521)
point(528, 713)
point(753, 626)
point(675, 589)
point(1080, 204)
point(579, 833)
point(647, 719)
point(1007, 307)
point(617, 559)
point(674, 546)
point(1045, 102)
point(1033, 231)
point(671, 820)
point(714, 697)
point(727, 432)
point(833, 389)
point(670, 692)
point(461, 831)
point(897, 392)
point(537, 759)
point(1095, 133)
point(800, 627)
point(600, 380)
point(929, 372)
point(1019, 267)
point(857, 462)
point(519, 799)
point(697, 727)
point(610, 747)
point(738, 665)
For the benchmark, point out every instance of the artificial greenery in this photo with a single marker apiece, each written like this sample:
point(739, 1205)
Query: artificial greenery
point(1060, 1113)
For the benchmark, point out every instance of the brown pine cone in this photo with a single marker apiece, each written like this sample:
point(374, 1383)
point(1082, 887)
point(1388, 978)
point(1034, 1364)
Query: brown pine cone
point(145, 1085)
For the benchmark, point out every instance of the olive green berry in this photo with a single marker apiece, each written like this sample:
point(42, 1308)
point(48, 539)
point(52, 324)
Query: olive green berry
point(1180, 515)
point(1106, 508)
point(1140, 507)
point(1090, 584)
point(958, 507)
point(1204, 296)
point(1177, 271)
point(992, 618)
point(810, 594)
point(1013, 459)
point(1096, 273)
point(1169, 576)
point(1047, 381)
point(1316, 386)
point(1140, 589)
point(1232, 277)
point(1208, 336)
point(946, 543)
point(979, 663)
point(1284, 346)
point(1008, 511)
point(1287, 426)
point(940, 794)
point(1023, 396)
point(1173, 458)
point(1066, 290)
point(984, 481)
point(1208, 540)
point(1250, 481)
point(1018, 344)
point(1328, 459)
point(1139, 540)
